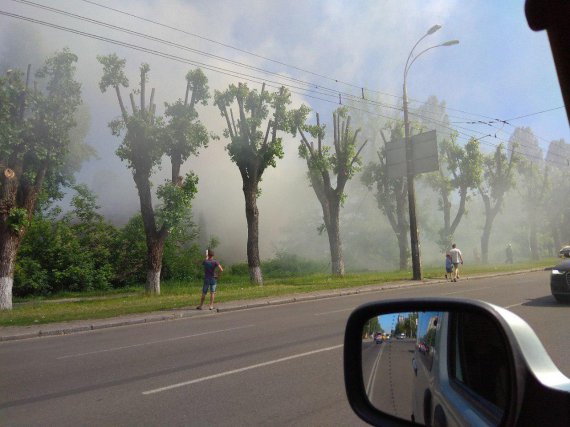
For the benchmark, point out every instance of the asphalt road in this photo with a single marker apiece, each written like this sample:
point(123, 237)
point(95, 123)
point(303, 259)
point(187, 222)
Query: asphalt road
point(388, 375)
point(277, 365)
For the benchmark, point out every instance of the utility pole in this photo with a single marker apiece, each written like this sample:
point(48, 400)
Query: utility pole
point(414, 237)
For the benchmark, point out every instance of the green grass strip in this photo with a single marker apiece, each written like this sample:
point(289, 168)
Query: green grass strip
point(177, 294)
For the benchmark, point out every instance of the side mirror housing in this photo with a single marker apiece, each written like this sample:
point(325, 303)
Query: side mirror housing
point(514, 381)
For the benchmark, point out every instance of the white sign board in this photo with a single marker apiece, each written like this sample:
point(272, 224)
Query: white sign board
point(424, 155)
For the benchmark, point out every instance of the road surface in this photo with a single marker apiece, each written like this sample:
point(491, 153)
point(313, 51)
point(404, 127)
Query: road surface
point(278, 365)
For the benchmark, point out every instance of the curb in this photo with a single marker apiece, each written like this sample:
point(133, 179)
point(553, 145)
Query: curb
point(10, 333)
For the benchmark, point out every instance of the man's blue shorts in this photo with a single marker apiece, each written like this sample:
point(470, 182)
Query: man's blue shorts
point(209, 283)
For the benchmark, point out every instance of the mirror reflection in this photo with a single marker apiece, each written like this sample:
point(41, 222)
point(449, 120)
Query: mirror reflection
point(437, 368)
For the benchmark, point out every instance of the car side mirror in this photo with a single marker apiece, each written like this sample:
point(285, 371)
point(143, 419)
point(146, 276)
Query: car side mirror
point(460, 363)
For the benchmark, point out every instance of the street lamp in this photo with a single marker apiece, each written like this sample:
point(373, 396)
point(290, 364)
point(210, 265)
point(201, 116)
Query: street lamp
point(414, 239)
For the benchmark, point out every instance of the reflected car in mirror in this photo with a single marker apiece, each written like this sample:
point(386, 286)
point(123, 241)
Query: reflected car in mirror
point(464, 363)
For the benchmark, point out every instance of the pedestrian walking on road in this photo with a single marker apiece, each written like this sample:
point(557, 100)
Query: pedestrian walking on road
point(210, 278)
point(456, 258)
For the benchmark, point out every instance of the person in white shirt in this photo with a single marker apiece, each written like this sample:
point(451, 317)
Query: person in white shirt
point(456, 258)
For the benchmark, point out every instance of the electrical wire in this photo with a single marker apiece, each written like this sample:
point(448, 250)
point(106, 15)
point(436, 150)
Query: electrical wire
point(227, 72)
point(253, 54)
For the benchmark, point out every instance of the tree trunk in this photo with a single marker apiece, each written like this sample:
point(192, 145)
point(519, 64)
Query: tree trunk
point(154, 239)
point(252, 216)
point(154, 266)
point(404, 251)
point(9, 244)
point(485, 241)
point(176, 162)
point(333, 231)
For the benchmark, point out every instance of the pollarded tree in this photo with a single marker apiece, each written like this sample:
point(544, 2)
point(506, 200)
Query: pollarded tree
point(391, 194)
point(323, 164)
point(535, 188)
point(558, 220)
point(35, 148)
point(497, 180)
point(460, 172)
point(253, 150)
point(185, 134)
point(147, 138)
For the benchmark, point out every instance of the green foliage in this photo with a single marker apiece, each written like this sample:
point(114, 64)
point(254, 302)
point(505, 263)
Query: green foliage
point(461, 172)
point(130, 253)
point(344, 161)
point(498, 173)
point(176, 200)
point(248, 144)
point(283, 265)
point(36, 127)
point(239, 270)
point(113, 72)
point(182, 256)
point(39, 146)
point(198, 84)
point(55, 257)
point(142, 146)
point(290, 265)
point(17, 219)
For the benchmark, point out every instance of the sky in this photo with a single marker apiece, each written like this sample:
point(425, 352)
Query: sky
point(500, 75)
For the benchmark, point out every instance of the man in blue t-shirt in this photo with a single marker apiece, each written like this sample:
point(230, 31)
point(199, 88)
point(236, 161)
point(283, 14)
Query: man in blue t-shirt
point(210, 265)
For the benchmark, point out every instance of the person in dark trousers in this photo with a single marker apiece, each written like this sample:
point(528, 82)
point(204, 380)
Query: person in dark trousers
point(210, 282)
point(448, 266)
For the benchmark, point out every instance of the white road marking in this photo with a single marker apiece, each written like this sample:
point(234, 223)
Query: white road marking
point(237, 371)
point(152, 342)
point(333, 312)
point(468, 290)
point(514, 305)
point(372, 379)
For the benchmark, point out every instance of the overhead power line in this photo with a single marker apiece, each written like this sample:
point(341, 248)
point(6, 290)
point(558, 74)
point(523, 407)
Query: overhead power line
point(314, 88)
point(332, 79)
point(236, 74)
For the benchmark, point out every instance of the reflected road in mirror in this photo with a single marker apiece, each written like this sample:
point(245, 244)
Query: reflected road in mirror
point(387, 363)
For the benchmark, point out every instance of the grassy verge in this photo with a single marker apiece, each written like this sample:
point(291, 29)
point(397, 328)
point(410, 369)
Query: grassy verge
point(176, 294)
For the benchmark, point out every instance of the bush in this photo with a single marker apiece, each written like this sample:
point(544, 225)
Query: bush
point(239, 270)
point(290, 265)
point(284, 265)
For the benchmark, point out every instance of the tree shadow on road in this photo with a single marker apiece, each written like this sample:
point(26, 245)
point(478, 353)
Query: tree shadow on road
point(545, 301)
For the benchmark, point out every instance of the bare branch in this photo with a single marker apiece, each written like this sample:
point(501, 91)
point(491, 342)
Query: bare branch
point(229, 124)
point(267, 134)
point(151, 103)
point(307, 144)
point(319, 139)
point(187, 92)
point(358, 152)
point(260, 101)
point(143, 90)
point(121, 104)
point(233, 123)
point(338, 133)
point(133, 105)
point(346, 129)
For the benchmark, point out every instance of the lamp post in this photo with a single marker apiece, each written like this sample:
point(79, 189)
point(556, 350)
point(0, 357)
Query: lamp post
point(414, 239)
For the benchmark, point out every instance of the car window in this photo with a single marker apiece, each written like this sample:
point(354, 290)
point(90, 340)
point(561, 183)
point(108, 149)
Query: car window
point(426, 335)
point(479, 351)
